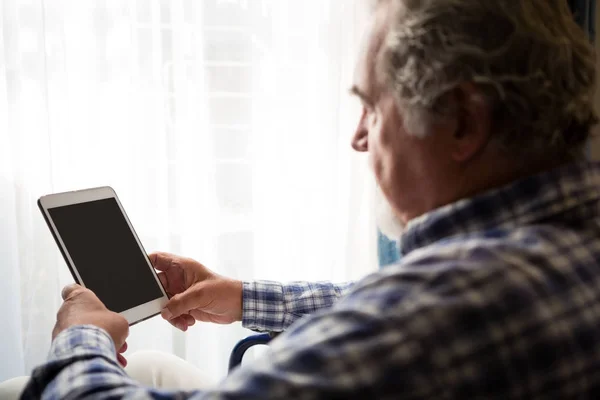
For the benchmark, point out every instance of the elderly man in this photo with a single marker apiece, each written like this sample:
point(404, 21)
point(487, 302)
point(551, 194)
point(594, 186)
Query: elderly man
point(475, 114)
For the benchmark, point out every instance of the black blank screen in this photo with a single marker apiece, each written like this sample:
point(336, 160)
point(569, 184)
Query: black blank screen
point(106, 253)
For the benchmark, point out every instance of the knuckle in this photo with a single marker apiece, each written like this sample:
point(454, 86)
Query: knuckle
point(123, 324)
point(76, 292)
point(159, 257)
point(175, 300)
point(119, 321)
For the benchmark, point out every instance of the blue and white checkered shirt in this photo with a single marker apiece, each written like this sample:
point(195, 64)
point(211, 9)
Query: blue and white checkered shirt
point(496, 297)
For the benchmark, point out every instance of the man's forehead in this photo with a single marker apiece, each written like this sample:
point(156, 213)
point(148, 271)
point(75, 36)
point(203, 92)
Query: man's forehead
point(365, 81)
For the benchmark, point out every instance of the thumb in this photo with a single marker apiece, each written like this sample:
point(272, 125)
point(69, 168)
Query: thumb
point(69, 290)
point(182, 303)
point(162, 261)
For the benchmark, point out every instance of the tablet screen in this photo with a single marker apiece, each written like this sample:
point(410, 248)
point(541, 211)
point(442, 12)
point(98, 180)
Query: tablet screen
point(106, 253)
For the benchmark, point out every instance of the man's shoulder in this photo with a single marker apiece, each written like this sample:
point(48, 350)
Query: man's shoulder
point(511, 303)
point(480, 270)
point(499, 249)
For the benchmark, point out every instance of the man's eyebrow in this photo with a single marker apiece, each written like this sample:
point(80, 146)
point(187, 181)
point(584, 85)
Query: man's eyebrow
point(363, 96)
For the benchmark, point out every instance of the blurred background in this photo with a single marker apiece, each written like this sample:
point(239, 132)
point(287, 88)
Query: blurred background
point(223, 125)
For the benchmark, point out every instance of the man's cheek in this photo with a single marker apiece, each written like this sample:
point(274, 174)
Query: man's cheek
point(374, 158)
point(380, 165)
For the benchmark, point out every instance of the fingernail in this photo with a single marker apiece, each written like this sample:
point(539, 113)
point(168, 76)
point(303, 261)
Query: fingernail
point(166, 314)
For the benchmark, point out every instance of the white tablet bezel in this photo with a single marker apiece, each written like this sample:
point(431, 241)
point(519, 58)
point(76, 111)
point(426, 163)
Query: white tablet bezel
point(135, 314)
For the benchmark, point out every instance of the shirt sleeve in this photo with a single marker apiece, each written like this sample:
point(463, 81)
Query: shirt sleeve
point(346, 351)
point(82, 361)
point(273, 306)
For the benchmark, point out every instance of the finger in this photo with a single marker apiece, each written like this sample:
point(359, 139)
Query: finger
point(183, 302)
point(122, 360)
point(189, 320)
point(121, 332)
point(164, 280)
point(162, 261)
point(179, 323)
point(123, 348)
point(208, 317)
point(201, 316)
point(183, 322)
point(68, 290)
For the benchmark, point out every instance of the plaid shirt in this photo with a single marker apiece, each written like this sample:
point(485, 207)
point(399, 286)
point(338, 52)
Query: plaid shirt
point(273, 306)
point(496, 297)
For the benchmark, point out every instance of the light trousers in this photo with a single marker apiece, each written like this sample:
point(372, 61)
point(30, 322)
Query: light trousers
point(150, 368)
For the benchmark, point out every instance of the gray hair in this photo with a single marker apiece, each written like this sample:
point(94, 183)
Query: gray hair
point(530, 60)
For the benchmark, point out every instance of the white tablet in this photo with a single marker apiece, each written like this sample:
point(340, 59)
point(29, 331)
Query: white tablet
point(103, 251)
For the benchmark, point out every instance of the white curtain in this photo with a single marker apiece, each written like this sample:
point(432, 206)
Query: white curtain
point(223, 125)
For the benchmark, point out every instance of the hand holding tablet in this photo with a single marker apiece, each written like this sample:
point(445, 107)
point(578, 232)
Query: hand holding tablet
point(103, 252)
point(82, 307)
point(197, 293)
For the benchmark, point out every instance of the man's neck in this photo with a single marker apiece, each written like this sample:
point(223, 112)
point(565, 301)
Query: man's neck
point(481, 175)
point(502, 170)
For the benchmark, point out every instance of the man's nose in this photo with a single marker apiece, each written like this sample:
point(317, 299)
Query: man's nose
point(360, 140)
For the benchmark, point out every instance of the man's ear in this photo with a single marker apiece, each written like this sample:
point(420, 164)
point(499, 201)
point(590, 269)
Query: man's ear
point(473, 123)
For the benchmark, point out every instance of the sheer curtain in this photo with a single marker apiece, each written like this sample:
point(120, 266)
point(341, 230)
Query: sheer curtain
point(223, 125)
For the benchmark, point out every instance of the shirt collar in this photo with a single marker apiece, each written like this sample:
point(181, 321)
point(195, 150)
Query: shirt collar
point(549, 195)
